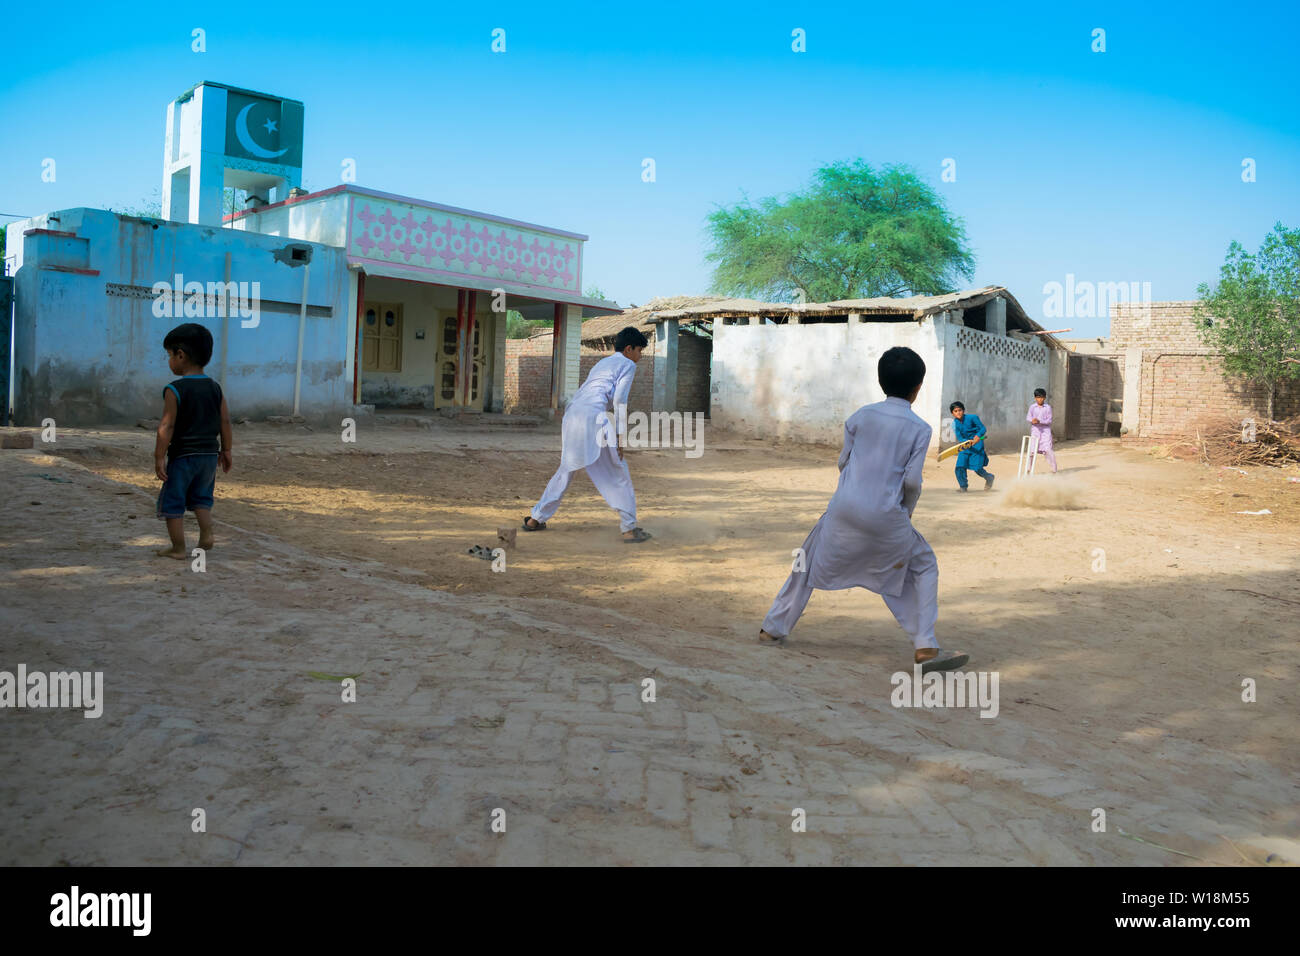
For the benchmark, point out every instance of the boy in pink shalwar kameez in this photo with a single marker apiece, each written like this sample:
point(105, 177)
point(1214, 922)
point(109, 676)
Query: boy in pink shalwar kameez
point(1040, 426)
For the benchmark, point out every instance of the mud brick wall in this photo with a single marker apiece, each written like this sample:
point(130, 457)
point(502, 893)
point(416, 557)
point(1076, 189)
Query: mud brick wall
point(1160, 326)
point(528, 374)
point(1101, 382)
point(1182, 383)
point(694, 355)
point(1182, 392)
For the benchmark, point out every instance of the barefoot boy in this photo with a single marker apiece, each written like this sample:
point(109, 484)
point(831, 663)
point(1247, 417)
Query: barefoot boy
point(967, 428)
point(866, 539)
point(593, 442)
point(1040, 426)
point(194, 420)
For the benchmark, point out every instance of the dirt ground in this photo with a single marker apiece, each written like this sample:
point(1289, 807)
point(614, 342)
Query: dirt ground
point(1121, 632)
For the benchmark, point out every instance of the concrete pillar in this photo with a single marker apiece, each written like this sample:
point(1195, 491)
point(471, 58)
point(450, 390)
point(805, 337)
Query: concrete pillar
point(566, 351)
point(1058, 369)
point(1132, 391)
point(193, 183)
point(665, 356)
point(855, 318)
point(497, 401)
point(207, 184)
point(559, 321)
point(995, 320)
point(572, 364)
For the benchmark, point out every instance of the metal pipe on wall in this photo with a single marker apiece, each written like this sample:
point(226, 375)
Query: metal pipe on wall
point(225, 320)
point(302, 330)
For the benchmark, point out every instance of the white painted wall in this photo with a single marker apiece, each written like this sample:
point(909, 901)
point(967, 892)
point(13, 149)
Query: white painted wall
point(801, 382)
point(85, 356)
point(994, 380)
point(322, 220)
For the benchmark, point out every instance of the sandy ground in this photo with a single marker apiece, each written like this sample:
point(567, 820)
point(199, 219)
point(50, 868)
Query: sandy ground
point(1120, 669)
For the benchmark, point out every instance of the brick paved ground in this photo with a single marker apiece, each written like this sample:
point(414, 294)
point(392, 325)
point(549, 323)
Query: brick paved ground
point(470, 703)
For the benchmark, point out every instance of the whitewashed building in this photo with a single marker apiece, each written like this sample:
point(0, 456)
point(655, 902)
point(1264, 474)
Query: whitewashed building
point(797, 371)
point(349, 297)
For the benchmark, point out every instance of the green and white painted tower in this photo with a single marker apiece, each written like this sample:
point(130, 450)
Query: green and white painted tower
point(219, 136)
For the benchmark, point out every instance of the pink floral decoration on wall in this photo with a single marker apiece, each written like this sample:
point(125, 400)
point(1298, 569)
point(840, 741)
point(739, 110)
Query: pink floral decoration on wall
point(433, 239)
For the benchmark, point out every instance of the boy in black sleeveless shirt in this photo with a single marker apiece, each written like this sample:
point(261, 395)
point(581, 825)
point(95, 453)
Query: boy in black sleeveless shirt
point(193, 438)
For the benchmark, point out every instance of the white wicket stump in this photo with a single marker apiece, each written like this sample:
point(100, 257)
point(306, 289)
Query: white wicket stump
point(1028, 455)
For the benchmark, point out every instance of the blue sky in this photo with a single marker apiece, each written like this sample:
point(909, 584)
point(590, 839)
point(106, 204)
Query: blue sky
point(1123, 166)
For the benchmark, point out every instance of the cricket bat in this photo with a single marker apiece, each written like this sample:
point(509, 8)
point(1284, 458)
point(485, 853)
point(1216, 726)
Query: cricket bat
point(948, 453)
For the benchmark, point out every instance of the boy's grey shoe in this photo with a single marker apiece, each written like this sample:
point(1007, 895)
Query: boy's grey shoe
point(988, 483)
point(944, 661)
point(961, 488)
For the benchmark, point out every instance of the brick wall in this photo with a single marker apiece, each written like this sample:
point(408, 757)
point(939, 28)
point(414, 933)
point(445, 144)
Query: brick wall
point(1181, 391)
point(694, 354)
point(1099, 381)
point(1164, 326)
point(1183, 384)
point(528, 374)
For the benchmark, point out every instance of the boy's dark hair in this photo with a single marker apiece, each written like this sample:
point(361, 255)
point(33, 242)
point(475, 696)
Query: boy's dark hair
point(1040, 391)
point(632, 337)
point(957, 405)
point(900, 370)
point(192, 339)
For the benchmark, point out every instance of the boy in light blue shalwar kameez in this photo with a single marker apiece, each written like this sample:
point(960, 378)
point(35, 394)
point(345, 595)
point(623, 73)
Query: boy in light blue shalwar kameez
point(966, 427)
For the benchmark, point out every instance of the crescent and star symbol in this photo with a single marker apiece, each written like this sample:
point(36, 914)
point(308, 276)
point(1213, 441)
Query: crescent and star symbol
point(246, 139)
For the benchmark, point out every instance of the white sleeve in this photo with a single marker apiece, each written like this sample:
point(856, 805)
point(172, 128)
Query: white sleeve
point(848, 446)
point(621, 389)
point(912, 473)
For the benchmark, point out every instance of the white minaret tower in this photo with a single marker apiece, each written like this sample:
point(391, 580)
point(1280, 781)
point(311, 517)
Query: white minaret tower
point(220, 136)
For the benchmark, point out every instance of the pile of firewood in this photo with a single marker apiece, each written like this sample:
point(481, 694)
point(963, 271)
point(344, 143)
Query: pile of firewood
point(1223, 443)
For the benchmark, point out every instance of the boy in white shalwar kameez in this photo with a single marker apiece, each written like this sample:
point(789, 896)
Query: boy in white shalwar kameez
point(866, 539)
point(592, 441)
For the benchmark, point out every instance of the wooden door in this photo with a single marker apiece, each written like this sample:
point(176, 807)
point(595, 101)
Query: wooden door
point(451, 388)
point(381, 337)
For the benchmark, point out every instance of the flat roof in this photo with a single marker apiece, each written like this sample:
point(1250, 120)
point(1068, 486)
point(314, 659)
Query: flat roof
point(234, 89)
point(364, 191)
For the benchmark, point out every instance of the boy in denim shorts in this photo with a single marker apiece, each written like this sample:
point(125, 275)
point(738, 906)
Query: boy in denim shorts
point(193, 438)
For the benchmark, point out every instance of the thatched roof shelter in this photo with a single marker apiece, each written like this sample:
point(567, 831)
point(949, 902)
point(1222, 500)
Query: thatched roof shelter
point(701, 311)
point(914, 307)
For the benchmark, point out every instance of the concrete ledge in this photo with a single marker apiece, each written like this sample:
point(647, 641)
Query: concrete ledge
point(12, 439)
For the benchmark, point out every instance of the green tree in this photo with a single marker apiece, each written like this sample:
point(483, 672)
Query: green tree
point(853, 233)
point(517, 327)
point(1252, 314)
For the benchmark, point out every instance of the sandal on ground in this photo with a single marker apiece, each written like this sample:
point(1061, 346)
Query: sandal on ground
point(540, 526)
point(770, 640)
point(638, 535)
point(944, 661)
